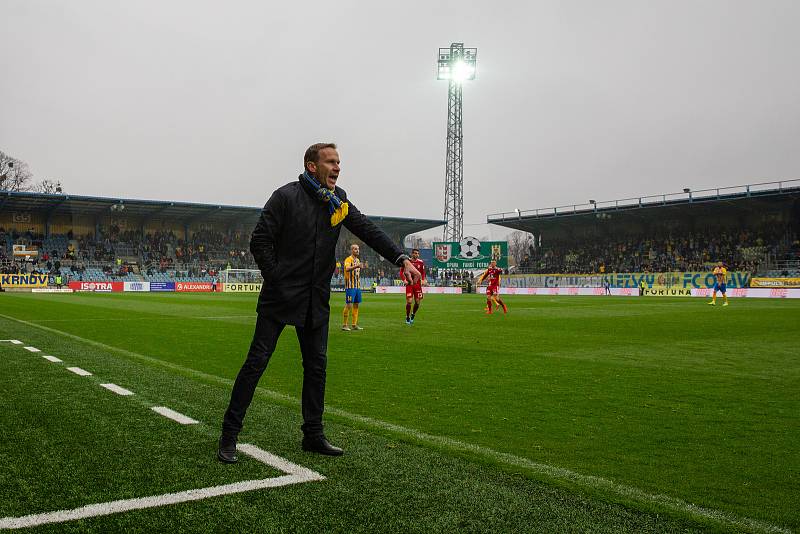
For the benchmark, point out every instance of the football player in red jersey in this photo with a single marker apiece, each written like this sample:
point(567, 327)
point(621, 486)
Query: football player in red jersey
point(414, 290)
point(493, 289)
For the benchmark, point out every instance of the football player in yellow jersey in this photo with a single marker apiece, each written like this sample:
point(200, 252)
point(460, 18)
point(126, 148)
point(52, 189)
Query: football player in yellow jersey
point(721, 275)
point(352, 288)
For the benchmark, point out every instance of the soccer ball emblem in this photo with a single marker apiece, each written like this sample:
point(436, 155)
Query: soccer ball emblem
point(470, 248)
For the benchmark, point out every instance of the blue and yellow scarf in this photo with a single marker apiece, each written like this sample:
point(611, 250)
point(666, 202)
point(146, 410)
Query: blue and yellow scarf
point(336, 207)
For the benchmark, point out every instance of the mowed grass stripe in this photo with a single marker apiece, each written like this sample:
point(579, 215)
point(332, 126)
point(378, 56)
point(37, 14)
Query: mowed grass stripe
point(379, 485)
point(508, 459)
point(67, 443)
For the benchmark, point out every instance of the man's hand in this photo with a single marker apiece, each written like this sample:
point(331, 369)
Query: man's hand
point(411, 273)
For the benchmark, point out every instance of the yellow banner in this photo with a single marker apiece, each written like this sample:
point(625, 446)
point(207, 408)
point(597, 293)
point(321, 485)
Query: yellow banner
point(667, 292)
point(775, 282)
point(27, 281)
point(242, 288)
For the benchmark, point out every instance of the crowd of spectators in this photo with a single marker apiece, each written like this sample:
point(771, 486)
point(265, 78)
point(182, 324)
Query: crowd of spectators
point(744, 250)
point(118, 252)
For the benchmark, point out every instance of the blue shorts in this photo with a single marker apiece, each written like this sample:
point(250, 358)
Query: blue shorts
point(352, 295)
point(719, 287)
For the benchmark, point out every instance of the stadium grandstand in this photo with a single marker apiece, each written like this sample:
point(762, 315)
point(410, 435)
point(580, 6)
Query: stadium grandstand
point(98, 239)
point(752, 228)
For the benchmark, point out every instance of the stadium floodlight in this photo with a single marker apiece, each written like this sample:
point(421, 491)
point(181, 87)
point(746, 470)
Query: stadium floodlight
point(592, 201)
point(456, 65)
point(687, 190)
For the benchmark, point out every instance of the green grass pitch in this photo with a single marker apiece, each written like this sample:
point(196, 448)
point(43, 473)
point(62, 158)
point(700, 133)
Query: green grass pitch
point(568, 414)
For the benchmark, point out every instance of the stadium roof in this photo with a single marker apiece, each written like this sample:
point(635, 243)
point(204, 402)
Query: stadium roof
point(706, 202)
point(186, 212)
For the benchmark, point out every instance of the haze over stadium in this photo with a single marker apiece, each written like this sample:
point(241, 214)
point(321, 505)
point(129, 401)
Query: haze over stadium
point(573, 100)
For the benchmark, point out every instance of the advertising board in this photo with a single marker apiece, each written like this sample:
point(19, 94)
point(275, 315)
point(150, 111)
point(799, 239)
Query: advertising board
point(137, 287)
point(26, 281)
point(193, 287)
point(101, 287)
point(158, 287)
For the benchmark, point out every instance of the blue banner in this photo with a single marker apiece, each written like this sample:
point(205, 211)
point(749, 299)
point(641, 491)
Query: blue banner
point(162, 286)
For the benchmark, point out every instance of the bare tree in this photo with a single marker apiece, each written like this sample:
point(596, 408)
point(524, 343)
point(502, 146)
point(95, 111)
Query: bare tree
point(519, 244)
point(50, 187)
point(15, 175)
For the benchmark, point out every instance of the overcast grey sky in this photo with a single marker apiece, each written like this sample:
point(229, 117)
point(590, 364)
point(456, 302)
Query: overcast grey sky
point(216, 101)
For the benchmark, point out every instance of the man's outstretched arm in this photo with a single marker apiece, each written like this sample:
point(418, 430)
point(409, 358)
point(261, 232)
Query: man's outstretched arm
point(376, 239)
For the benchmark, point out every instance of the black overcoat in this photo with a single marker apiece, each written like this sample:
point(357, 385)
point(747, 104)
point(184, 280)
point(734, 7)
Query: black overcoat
point(294, 246)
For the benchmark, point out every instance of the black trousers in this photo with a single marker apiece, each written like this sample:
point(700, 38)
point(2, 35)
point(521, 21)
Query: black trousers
point(313, 346)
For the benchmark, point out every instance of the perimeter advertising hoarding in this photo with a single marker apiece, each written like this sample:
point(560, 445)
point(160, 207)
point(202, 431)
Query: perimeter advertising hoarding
point(27, 281)
point(573, 291)
point(158, 287)
point(684, 280)
point(193, 287)
point(241, 287)
point(667, 292)
point(469, 253)
point(425, 289)
point(775, 282)
point(754, 292)
point(137, 287)
point(101, 287)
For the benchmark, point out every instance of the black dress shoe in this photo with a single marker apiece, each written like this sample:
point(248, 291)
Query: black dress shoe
point(321, 445)
point(226, 452)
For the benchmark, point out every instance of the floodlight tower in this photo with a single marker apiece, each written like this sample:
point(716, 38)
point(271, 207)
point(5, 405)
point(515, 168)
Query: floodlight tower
point(456, 65)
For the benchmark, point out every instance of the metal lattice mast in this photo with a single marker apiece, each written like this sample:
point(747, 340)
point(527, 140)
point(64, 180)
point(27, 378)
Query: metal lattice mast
point(454, 168)
point(456, 64)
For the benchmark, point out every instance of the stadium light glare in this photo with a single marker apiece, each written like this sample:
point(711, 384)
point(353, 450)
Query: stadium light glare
point(457, 64)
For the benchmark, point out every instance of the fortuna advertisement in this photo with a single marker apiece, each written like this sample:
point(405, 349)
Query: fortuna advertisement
point(469, 253)
point(241, 287)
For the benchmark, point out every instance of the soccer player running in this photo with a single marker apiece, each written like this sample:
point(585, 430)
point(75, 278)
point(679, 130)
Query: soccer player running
point(414, 291)
point(352, 288)
point(721, 274)
point(492, 273)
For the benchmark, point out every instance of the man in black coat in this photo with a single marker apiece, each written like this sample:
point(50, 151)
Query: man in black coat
point(294, 246)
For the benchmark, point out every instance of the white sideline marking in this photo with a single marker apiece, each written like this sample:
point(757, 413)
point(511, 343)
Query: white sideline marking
point(116, 389)
point(78, 371)
point(295, 474)
point(13, 341)
point(51, 359)
point(554, 472)
point(31, 349)
point(175, 416)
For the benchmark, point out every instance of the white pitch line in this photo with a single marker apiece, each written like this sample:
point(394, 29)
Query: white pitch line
point(296, 474)
point(51, 359)
point(78, 371)
point(31, 349)
point(117, 389)
point(12, 341)
point(281, 464)
point(175, 416)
